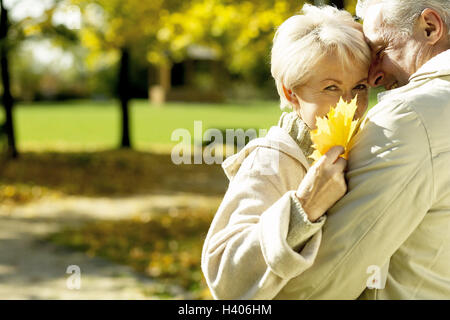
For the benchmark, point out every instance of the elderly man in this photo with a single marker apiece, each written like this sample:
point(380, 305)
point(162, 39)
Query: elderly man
point(389, 237)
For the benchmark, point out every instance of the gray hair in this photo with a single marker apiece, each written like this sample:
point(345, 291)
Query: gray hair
point(302, 40)
point(404, 13)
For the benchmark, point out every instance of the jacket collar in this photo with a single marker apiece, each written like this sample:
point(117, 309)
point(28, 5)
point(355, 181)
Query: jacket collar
point(277, 138)
point(437, 66)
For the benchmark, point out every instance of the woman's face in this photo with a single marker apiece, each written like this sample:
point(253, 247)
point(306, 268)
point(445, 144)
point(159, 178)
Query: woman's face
point(328, 82)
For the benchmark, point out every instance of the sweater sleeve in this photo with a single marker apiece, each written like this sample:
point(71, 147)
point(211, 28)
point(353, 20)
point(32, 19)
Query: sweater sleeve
point(301, 229)
point(260, 237)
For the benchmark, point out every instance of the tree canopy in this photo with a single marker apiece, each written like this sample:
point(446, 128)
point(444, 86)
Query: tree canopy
point(237, 31)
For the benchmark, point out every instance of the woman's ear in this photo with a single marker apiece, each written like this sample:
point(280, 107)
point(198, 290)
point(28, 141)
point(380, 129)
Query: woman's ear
point(292, 98)
point(288, 94)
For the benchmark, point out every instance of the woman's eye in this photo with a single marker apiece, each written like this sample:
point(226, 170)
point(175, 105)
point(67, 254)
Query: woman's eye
point(360, 87)
point(331, 88)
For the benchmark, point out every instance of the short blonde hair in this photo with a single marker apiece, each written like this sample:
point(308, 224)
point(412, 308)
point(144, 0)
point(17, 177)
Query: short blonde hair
point(302, 40)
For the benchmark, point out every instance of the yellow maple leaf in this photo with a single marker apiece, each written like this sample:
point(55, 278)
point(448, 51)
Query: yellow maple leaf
point(337, 128)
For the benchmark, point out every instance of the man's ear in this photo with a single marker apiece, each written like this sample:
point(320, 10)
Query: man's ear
point(431, 25)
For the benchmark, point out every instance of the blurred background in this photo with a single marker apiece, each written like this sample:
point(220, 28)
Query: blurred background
point(91, 93)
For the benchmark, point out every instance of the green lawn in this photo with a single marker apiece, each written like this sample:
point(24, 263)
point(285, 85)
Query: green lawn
point(90, 125)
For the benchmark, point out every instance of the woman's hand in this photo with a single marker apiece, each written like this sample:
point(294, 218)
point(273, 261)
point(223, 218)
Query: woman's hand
point(324, 184)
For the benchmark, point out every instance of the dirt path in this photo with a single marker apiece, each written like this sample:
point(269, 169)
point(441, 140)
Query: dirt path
point(34, 269)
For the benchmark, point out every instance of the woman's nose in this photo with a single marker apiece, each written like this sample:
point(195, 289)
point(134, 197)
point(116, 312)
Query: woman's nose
point(348, 97)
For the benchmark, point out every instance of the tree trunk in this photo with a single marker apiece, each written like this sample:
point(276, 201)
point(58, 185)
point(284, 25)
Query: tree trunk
point(158, 91)
point(165, 80)
point(338, 3)
point(8, 100)
point(124, 96)
point(320, 2)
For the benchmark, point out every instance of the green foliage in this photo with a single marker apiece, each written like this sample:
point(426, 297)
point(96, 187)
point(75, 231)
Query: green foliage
point(27, 77)
point(350, 6)
point(109, 25)
point(240, 32)
point(62, 78)
point(41, 27)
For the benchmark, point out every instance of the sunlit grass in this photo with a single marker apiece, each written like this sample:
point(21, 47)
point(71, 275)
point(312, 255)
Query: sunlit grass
point(95, 125)
point(87, 125)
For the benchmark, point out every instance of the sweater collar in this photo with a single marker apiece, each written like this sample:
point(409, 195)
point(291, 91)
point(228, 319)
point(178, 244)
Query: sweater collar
point(299, 131)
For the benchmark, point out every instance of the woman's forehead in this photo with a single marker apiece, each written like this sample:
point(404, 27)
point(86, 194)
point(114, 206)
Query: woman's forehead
point(332, 64)
point(330, 71)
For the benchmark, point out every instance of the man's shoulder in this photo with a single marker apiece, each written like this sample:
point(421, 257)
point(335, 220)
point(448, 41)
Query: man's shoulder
point(426, 97)
point(424, 109)
point(392, 117)
point(392, 129)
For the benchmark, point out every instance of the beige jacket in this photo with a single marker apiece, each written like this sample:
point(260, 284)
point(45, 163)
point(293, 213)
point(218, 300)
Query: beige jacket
point(395, 216)
point(255, 244)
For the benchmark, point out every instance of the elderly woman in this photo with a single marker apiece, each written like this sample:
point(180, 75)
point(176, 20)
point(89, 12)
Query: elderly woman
point(267, 230)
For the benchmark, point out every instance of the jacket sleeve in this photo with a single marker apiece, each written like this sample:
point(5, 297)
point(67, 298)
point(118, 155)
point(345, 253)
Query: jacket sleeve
point(390, 190)
point(249, 250)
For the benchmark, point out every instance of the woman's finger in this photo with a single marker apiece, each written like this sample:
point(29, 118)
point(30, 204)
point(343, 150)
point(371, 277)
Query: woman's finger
point(333, 154)
point(341, 164)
